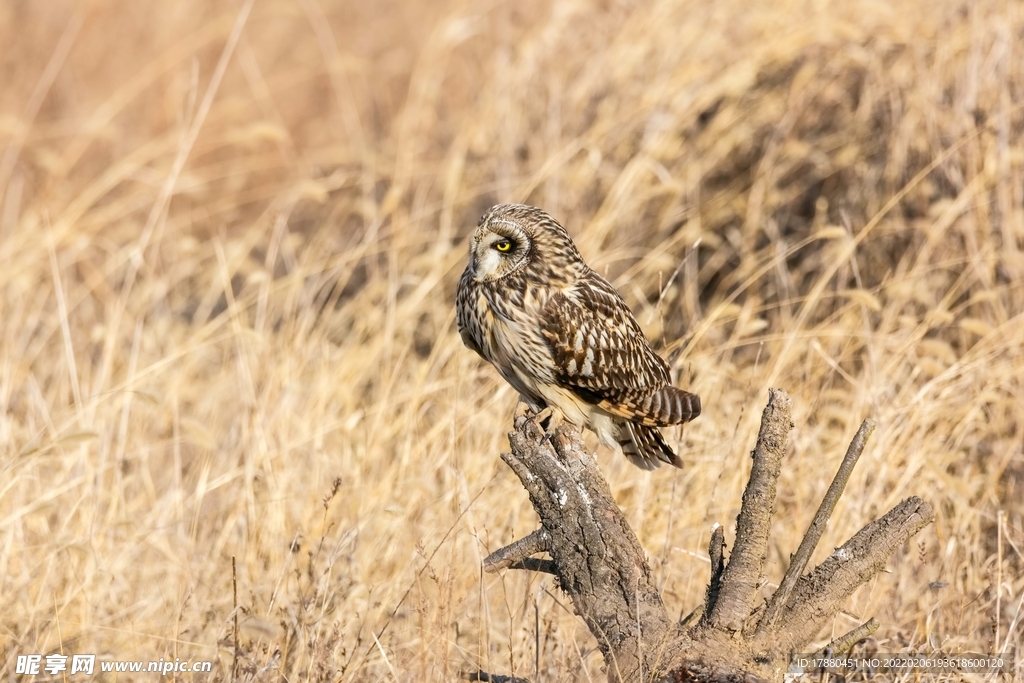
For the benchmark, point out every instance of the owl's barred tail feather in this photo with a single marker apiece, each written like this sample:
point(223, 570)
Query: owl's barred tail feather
point(638, 435)
point(645, 446)
point(668, 405)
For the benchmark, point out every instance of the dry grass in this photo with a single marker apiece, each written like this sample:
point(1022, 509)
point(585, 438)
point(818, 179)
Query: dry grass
point(227, 304)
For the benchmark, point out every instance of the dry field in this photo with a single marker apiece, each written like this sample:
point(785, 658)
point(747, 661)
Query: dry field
point(230, 234)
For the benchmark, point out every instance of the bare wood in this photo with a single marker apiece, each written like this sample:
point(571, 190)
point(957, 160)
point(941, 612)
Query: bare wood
point(817, 527)
point(701, 671)
point(846, 641)
point(716, 553)
point(691, 618)
point(482, 675)
point(743, 573)
point(517, 551)
point(600, 565)
point(820, 594)
point(536, 564)
point(598, 560)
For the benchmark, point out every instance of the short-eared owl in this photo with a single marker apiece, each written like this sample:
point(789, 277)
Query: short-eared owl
point(562, 336)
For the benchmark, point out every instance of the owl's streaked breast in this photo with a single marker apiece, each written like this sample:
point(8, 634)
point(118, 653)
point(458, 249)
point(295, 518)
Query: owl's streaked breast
point(514, 343)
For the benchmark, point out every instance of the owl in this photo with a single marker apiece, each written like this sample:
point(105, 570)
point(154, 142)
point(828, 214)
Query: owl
point(562, 336)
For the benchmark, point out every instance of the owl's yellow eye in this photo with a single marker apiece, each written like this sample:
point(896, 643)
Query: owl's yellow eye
point(503, 246)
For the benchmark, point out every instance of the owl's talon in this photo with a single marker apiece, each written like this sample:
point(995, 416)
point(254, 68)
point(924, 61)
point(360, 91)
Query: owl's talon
point(549, 420)
point(542, 416)
point(521, 413)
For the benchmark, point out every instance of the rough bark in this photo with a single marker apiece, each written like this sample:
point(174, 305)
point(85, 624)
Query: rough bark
point(742, 575)
point(597, 558)
point(600, 565)
point(810, 541)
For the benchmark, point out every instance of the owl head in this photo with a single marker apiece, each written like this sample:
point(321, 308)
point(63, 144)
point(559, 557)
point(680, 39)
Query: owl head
point(511, 237)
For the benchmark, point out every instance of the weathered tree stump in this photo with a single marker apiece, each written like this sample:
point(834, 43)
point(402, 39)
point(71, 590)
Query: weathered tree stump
point(601, 567)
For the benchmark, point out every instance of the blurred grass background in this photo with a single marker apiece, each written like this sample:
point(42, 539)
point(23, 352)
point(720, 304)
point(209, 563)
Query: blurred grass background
point(230, 235)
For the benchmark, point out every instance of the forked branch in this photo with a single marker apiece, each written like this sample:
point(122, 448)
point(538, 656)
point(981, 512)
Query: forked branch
point(599, 563)
point(817, 527)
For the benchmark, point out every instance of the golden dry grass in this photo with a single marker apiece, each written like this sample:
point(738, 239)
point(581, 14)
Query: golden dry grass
point(228, 323)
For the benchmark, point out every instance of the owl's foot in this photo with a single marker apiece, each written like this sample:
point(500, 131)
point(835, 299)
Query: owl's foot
point(549, 419)
point(522, 412)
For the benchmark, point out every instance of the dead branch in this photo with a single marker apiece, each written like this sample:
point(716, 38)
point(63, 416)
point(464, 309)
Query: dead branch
point(843, 643)
point(597, 559)
point(716, 552)
point(817, 527)
point(600, 565)
point(490, 678)
point(515, 553)
point(742, 575)
point(820, 594)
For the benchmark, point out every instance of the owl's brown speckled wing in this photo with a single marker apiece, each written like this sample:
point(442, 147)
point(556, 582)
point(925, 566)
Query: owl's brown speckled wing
point(601, 354)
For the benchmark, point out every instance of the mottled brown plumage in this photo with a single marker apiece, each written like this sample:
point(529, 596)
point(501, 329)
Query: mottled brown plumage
point(562, 336)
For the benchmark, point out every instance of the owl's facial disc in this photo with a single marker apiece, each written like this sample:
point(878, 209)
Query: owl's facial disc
point(498, 251)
